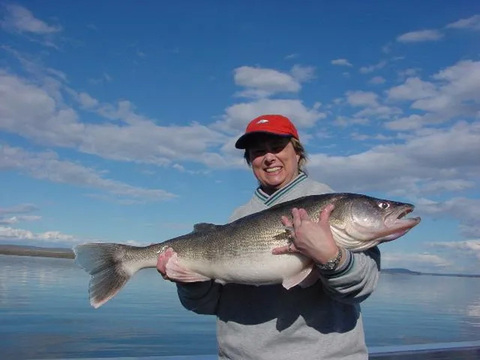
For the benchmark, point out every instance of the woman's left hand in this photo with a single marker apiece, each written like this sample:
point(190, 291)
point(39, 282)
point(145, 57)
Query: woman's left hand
point(313, 239)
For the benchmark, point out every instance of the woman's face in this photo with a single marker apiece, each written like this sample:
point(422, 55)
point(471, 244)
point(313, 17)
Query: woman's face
point(274, 161)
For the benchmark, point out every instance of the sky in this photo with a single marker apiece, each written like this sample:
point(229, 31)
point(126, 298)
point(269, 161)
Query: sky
point(118, 119)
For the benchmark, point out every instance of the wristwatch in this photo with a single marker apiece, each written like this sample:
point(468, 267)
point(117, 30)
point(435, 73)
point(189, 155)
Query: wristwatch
point(331, 264)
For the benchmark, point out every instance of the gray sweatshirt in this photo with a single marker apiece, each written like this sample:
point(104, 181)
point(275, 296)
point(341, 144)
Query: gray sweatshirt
point(322, 321)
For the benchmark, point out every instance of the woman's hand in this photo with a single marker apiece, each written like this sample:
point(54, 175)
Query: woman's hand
point(313, 239)
point(168, 267)
point(162, 262)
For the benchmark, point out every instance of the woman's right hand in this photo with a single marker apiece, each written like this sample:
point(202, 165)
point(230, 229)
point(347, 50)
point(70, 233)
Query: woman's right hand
point(163, 263)
point(169, 266)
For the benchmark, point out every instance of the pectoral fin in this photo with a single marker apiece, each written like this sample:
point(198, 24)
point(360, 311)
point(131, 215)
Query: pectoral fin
point(311, 279)
point(298, 278)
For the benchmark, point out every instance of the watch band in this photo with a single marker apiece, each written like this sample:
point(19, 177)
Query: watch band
point(332, 264)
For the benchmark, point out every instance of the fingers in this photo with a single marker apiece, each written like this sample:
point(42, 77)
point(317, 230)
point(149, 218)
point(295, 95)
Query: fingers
point(280, 250)
point(287, 249)
point(298, 215)
point(297, 220)
point(303, 214)
point(286, 221)
point(325, 214)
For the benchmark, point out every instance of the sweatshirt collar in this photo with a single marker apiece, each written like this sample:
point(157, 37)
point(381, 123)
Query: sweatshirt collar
point(270, 199)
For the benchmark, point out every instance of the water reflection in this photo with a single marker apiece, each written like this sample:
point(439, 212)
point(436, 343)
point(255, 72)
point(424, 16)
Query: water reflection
point(473, 312)
point(411, 309)
point(44, 312)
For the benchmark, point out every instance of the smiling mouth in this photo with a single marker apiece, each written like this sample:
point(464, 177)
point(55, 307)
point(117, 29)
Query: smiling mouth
point(274, 169)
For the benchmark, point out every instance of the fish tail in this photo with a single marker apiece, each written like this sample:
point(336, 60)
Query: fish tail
point(108, 267)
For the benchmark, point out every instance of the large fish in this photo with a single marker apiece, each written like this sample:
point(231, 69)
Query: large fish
point(241, 251)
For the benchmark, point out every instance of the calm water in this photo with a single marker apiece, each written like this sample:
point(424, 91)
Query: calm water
point(44, 313)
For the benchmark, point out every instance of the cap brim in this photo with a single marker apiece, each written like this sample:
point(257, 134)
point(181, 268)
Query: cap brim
point(242, 142)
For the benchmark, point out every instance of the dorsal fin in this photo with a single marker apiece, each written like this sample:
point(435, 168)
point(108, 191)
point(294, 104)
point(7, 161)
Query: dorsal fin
point(202, 227)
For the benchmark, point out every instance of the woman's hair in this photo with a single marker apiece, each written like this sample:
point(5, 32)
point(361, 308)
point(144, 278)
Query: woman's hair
point(299, 149)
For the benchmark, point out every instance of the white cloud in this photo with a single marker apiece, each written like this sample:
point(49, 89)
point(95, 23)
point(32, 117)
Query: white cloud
point(407, 73)
point(468, 247)
point(263, 83)
point(416, 262)
point(303, 73)
point(379, 111)
point(291, 56)
point(420, 36)
point(448, 185)
point(465, 210)
point(378, 137)
point(412, 89)
point(17, 219)
point(102, 79)
point(12, 234)
point(370, 102)
point(47, 166)
point(20, 19)
point(453, 92)
point(237, 116)
point(362, 98)
point(87, 101)
point(344, 122)
point(411, 122)
point(372, 68)
point(377, 80)
point(266, 80)
point(18, 209)
point(437, 154)
point(471, 23)
point(458, 91)
point(38, 113)
point(341, 62)
point(386, 49)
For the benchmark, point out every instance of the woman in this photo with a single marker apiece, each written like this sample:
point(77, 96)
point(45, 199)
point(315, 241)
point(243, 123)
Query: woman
point(321, 321)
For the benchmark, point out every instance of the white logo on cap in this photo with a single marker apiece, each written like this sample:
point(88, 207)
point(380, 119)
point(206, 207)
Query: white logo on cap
point(262, 121)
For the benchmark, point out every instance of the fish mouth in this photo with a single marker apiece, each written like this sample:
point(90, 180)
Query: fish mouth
point(398, 224)
point(402, 213)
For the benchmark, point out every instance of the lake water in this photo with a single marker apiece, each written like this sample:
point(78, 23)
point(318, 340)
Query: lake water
point(45, 313)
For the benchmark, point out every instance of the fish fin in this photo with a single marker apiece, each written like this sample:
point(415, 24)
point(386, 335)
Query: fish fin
point(298, 278)
point(202, 227)
point(105, 263)
point(311, 279)
point(177, 272)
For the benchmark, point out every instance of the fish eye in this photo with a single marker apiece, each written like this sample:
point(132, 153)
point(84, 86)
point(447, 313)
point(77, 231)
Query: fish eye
point(383, 205)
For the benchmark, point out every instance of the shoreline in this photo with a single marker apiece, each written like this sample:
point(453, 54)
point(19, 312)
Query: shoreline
point(17, 250)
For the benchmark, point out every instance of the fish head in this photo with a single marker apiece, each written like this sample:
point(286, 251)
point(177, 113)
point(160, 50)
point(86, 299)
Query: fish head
point(361, 222)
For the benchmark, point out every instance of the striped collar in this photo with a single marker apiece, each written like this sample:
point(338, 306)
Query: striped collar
point(270, 199)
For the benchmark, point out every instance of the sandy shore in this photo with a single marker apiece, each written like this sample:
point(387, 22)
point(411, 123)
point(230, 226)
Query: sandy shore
point(17, 250)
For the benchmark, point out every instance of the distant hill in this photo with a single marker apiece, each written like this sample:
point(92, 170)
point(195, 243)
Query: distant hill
point(402, 271)
point(20, 250)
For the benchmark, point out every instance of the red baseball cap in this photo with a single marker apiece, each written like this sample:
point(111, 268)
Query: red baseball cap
point(268, 124)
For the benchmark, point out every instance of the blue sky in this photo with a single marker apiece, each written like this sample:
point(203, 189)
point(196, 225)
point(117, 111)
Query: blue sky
point(118, 119)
